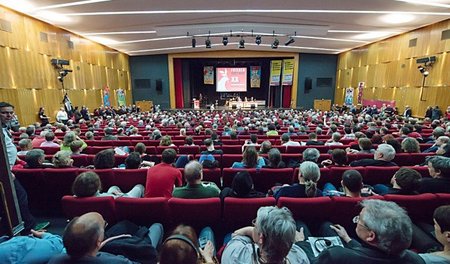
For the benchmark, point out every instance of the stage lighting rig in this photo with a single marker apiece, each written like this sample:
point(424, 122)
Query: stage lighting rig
point(289, 41)
point(225, 40)
point(275, 43)
point(208, 43)
point(258, 40)
point(242, 43)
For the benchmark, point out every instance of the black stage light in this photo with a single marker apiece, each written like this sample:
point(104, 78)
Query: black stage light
point(208, 43)
point(225, 40)
point(242, 43)
point(275, 43)
point(258, 40)
point(193, 42)
point(289, 41)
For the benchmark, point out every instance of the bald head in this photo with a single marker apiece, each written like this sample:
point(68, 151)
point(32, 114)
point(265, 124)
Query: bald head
point(83, 235)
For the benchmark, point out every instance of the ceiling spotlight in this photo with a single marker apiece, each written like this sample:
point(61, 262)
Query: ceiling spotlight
point(289, 41)
point(225, 40)
point(258, 40)
point(193, 42)
point(275, 43)
point(242, 43)
point(423, 70)
point(208, 43)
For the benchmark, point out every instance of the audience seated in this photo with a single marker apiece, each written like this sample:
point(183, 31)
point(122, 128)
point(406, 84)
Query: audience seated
point(25, 146)
point(104, 159)
point(109, 134)
point(83, 239)
point(338, 159)
point(39, 247)
point(405, 181)
point(161, 178)
point(69, 138)
point(385, 232)
point(183, 247)
point(286, 141)
point(439, 169)
point(266, 146)
point(441, 219)
point(308, 176)
point(271, 240)
point(352, 185)
point(383, 156)
point(62, 159)
point(313, 140)
point(35, 158)
point(335, 137)
point(166, 141)
point(274, 160)
point(195, 188)
point(49, 140)
point(250, 159)
point(439, 142)
point(241, 187)
point(88, 184)
point(410, 145)
point(210, 148)
point(76, 147)
point(365, 147)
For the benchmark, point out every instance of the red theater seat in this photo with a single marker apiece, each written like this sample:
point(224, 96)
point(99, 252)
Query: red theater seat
point(128, 178)
point(375, 175)
point(267, 178)
point(310, 210)
point(74, 206)
point(189, 150)
point(229, 159)
point(213, 175)
point(229, 173)
point(420, 207)
point(239, 212)
point(195, 212)
point(232, 149)
point(50, 150)
point(345, 208)
point(142, 211)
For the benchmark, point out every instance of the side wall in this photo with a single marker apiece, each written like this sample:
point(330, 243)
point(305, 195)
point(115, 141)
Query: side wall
point(315, 66)
point(150, 68)
point(389, 70)
point(28, 80)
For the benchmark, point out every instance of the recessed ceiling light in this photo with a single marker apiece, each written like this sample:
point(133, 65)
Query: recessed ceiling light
point(19, 5)
point(437, 3)
point(54, 17)
point(397, 18)
point(102, 40)
point(372, 35)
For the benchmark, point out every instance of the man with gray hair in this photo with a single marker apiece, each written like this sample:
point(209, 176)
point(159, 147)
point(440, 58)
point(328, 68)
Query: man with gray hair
point(383, 156)
point(439, 142)
point(270, 240)
point(311, 154)
point(195, 188)
point(439, 170)
point(385, 230)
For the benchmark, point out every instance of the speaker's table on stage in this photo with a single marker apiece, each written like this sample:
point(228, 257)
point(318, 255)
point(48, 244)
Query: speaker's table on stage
point(247, 104)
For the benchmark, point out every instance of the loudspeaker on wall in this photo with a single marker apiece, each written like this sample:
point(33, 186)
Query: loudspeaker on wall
point(159, 85)
point(308, 84)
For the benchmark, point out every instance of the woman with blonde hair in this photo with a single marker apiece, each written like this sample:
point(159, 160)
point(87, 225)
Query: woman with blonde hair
point(166, 141)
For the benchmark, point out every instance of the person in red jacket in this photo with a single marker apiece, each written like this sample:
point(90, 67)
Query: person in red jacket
point(162, 177)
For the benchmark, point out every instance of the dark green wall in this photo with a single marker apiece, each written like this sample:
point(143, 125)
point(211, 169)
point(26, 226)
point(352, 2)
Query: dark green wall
point(150, 67)
point(316, 66)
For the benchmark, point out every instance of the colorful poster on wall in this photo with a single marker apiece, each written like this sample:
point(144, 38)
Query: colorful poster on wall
point(106, 101)
point(349, 96)
point(255, 76)
point(288, 72)
point(121, 101)
point(275, 72)
point(360, 91)
point(208, 75)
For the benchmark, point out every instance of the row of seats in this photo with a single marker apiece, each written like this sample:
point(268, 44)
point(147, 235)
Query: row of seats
point(237, 212)
point(49, 185)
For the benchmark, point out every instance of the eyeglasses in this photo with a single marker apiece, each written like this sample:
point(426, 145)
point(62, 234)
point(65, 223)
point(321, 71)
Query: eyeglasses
point(254, 222)
point(7, 112)
point(106, 224)
point(356, 221)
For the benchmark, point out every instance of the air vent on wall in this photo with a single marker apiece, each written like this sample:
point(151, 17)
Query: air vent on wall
point(5, 25)
point(445, 34)
point(412, 42)
point(70, 44)
point(43, 36)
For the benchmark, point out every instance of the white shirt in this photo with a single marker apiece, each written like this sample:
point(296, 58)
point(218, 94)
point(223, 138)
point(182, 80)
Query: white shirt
point(62, 115)
point(11, 149)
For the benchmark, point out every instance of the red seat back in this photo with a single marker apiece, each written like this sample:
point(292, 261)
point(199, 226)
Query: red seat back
point(74, 206)
point(239, 212)
point(142, 211)
point(195, 212)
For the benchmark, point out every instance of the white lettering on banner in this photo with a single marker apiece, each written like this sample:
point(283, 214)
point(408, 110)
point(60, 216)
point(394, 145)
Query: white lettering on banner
point(234, 79)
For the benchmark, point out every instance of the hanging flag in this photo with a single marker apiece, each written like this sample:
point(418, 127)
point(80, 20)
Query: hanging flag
point(275, 72)
point(67, 105)
point(121, 101)
point(288, 72)
point(255, 76)
point(106, 101)
point(360, 92)
point(349, 96)
point(208, 75)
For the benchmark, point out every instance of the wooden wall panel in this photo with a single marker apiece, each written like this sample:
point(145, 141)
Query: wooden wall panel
point(28, 80)
point(389, 70)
